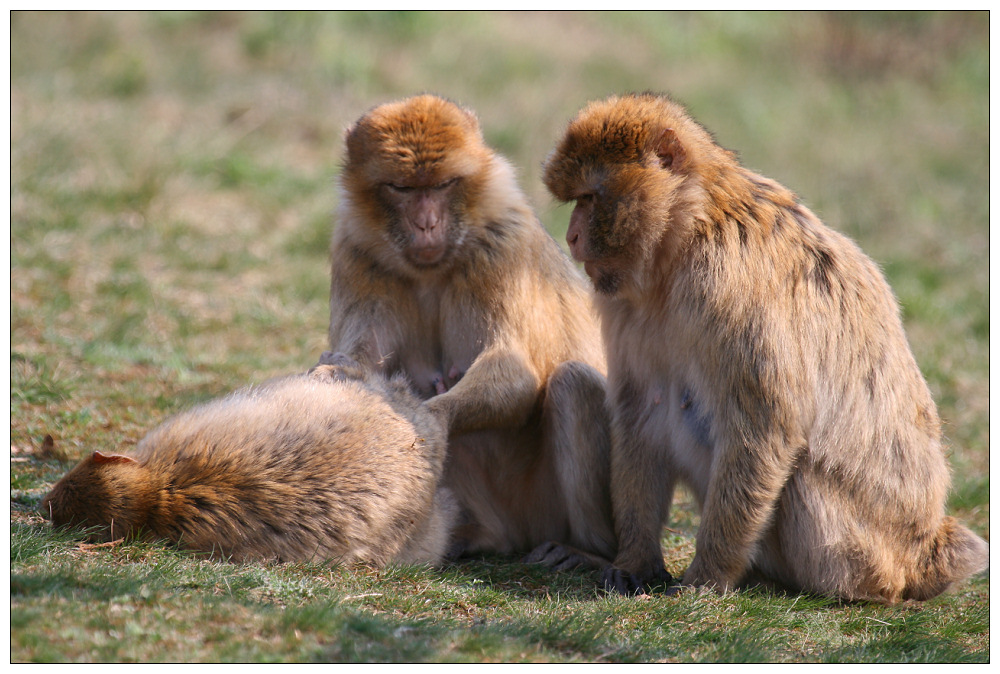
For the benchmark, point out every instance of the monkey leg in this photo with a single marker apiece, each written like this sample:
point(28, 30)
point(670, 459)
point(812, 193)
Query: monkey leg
point(576, 427)
point(751, 468)
point(499, 391)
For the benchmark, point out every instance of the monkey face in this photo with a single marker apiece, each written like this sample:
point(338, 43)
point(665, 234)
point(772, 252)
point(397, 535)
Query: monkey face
point(614, 224)
point(414, 167)
point(422, 220)
point(79, 500)
point(100, 495)
point(590, 242)
point(625, 165)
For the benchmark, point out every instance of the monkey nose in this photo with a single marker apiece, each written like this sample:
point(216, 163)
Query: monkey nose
point(426, 224)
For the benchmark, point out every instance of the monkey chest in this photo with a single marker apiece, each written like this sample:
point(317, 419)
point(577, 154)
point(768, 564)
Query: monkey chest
point(439, 348)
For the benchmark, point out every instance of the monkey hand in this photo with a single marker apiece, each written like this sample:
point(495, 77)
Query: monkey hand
point(336, 367)
point(626, 583)
point(699, 576)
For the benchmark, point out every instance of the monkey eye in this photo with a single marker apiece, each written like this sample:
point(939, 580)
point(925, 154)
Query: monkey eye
point(586, 198)
point(445, 185)
point(399, 188)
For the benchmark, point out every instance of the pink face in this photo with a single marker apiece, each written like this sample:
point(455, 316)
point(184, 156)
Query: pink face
point(423, 224)
point(576, 235)
point(604, 268)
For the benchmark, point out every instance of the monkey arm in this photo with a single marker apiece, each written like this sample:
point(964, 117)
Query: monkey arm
point(499, 390)
point(365, 327)
point(751, 465)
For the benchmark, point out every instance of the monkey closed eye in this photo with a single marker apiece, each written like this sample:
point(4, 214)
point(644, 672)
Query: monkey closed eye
point(400, 188)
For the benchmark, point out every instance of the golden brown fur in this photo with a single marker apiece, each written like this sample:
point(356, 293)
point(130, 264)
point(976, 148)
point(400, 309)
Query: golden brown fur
point(440, 270)
point(309, 467)
point(759, 357)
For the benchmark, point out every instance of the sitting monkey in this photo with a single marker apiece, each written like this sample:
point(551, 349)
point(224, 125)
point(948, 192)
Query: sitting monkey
point(757, 356)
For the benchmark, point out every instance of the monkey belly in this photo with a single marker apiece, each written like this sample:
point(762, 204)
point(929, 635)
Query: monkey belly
point(679, 423)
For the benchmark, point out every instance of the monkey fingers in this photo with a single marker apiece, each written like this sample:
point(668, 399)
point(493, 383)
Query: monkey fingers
point(336, 367)
point(339, 358)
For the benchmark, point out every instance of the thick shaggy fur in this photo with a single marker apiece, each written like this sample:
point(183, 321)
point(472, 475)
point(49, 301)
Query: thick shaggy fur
point(484, 331)
point(308, 467)
point(759, 357)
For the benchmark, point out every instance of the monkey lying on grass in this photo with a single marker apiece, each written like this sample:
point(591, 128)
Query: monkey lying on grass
point(332, 464)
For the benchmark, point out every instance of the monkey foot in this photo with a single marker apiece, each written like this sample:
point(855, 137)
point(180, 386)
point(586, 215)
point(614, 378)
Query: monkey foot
point(625, 583)
point(557, 556)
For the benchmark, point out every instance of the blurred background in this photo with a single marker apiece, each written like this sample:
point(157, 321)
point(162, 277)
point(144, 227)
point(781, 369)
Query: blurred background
point(173, 178)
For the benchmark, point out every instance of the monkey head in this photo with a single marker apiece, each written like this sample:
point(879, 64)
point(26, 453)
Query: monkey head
point(415, 170)
point(626, 162)
point(103, 494)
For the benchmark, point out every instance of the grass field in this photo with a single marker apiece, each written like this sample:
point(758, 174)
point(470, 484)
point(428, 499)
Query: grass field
point(171, 198)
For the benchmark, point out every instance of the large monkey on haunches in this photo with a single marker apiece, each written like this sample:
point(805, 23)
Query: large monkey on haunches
point(759, 357)
point(440, 270)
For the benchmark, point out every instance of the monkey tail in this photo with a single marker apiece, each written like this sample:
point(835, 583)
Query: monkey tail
point(955, 553)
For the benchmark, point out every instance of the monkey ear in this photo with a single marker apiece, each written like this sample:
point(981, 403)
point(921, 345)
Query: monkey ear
point(98, 457)
point(670, 151)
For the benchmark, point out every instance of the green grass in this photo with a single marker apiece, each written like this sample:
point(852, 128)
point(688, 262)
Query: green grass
point(171, 199)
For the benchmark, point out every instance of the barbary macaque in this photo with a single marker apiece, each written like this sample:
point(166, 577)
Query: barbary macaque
point(332, 465)
point(441, 271)
point(758, 357)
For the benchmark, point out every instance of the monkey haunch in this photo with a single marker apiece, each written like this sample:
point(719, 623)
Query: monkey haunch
point(441, 270)
point(759, 357)
point(308, 467)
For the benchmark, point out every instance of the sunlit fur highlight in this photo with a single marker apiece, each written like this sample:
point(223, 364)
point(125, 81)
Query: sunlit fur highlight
point(301, 468)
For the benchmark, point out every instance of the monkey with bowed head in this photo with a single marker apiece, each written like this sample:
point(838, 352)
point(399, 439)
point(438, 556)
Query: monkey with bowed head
point(759, 357)
point(337, 464)
point(441, 271)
